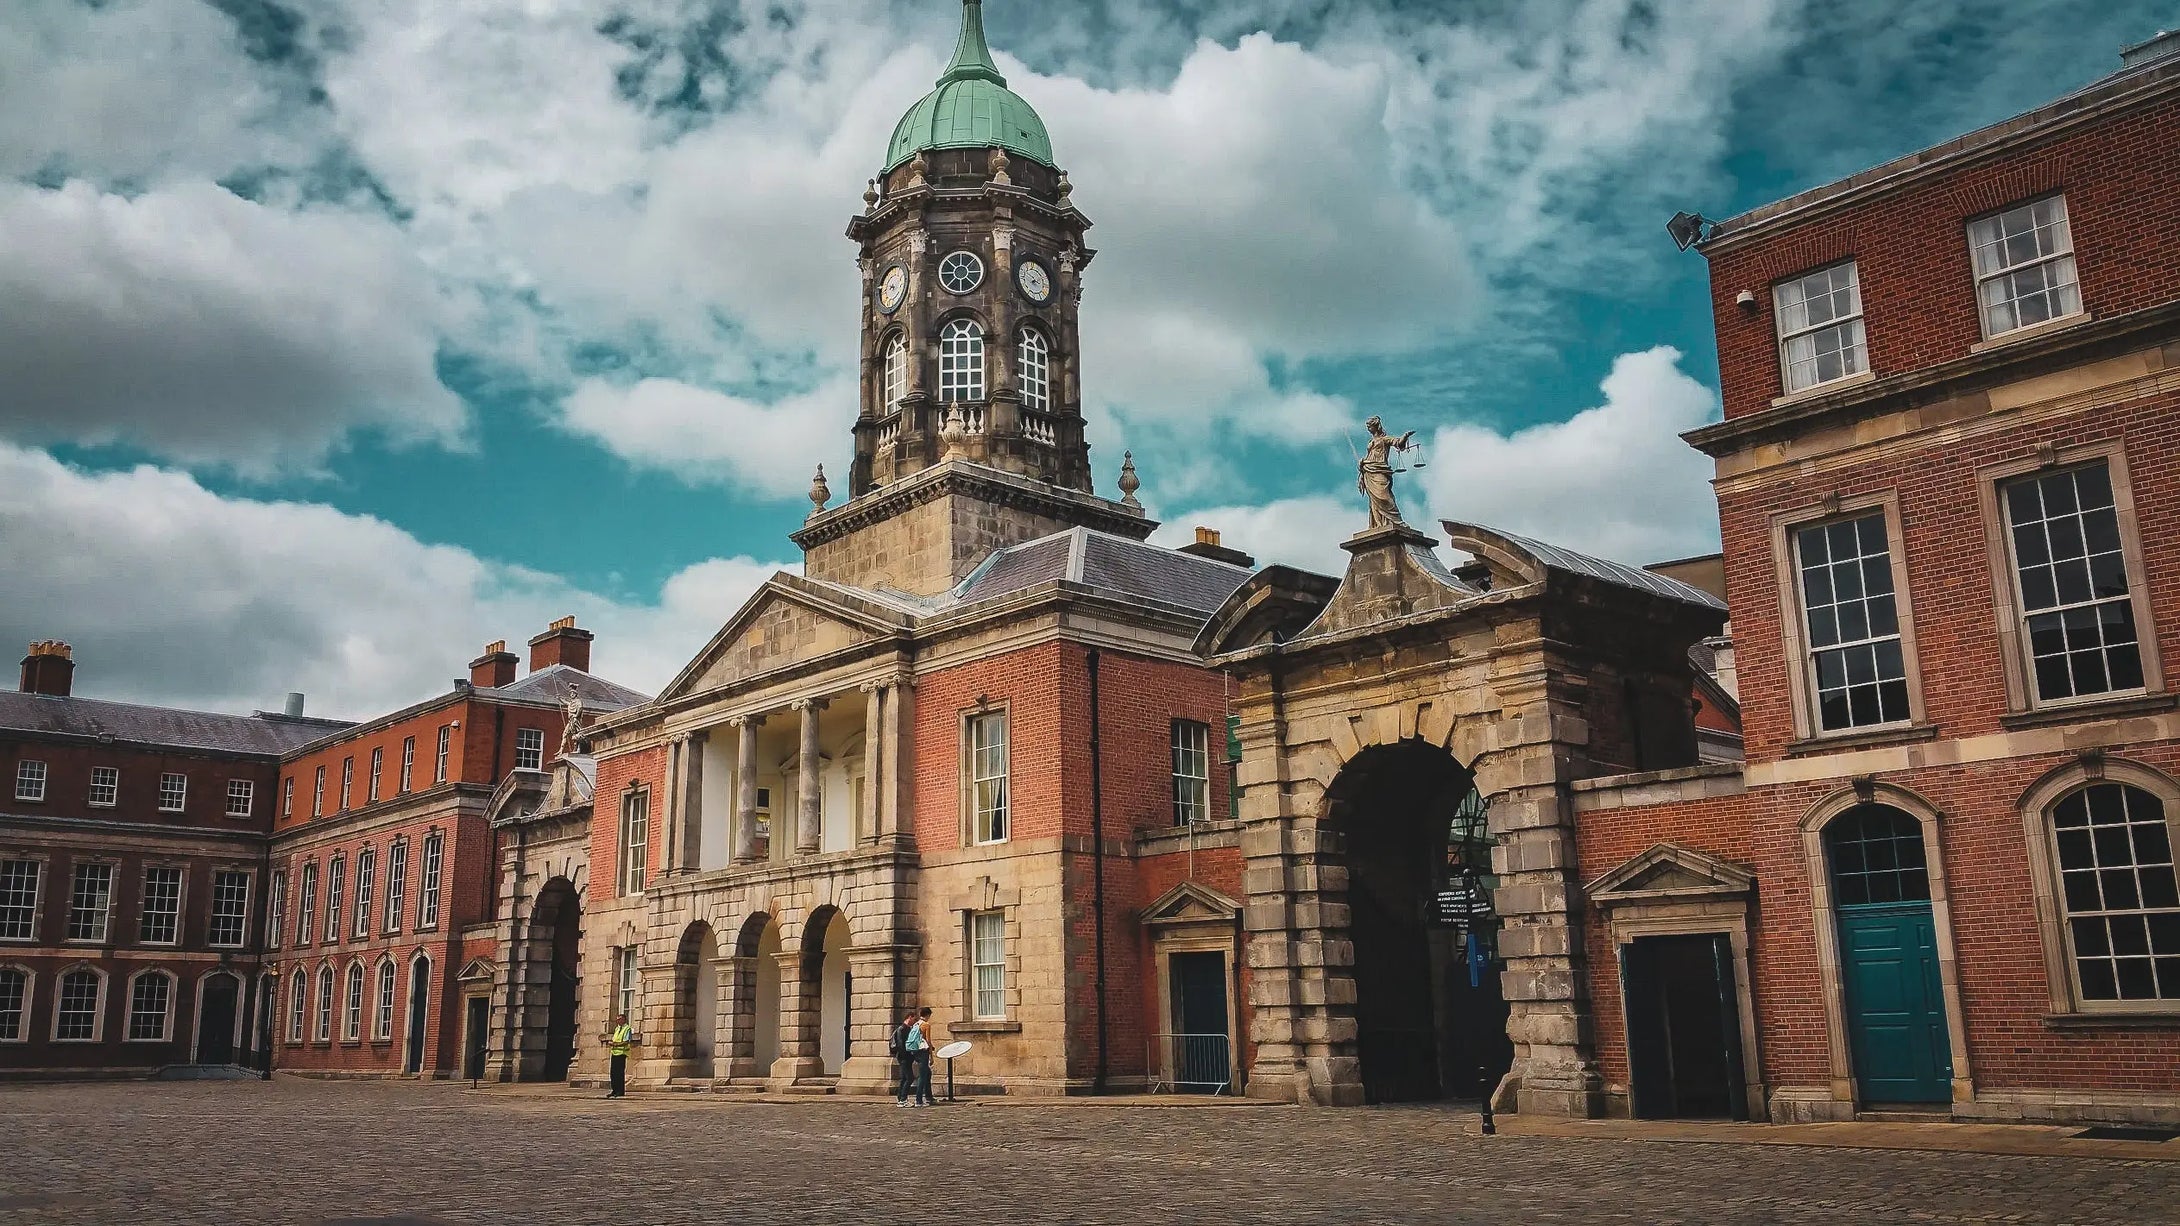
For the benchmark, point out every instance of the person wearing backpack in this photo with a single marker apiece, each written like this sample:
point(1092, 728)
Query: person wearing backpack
point(918, 1043)
point(903, 1059)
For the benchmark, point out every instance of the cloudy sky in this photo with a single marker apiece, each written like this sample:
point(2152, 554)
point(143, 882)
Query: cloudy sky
point(339, 337)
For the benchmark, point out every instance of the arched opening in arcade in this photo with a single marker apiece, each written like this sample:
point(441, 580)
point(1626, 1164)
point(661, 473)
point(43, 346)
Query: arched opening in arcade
point(758, 948)
point(1429, 1014)
point(827, 985)
point(556, 939)
point(696, 981)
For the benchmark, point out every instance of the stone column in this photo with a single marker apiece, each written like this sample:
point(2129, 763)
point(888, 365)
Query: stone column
point(735, 1053)
point(810, 782)
point(664, 1018)
point(893, 798)
point(673, 844)
point(874, 777)
point(745, 790)
point(798, 1020)
point(690, 800)
point(884, 990)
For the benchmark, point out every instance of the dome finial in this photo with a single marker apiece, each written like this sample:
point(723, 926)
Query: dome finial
point(972, 55)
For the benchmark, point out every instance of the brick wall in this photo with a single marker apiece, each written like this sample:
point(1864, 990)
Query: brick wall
point(2123, 204)
point(615, 773)
point(68, 784)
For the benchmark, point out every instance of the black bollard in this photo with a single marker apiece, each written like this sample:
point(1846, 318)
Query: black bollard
point(1483, 1078)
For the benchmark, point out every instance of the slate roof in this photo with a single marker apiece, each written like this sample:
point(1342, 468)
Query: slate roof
point(1112, 565)
point(163, 726)
point(1559, 557)
point(550, 684)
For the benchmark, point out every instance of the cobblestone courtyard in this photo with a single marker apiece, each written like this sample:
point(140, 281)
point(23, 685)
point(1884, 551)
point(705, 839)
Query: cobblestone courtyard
point(310, 1152)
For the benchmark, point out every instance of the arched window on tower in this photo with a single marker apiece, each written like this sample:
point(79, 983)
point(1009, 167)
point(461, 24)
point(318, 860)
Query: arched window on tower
point(894, 374)
point(961, 361)
point(1034, 371)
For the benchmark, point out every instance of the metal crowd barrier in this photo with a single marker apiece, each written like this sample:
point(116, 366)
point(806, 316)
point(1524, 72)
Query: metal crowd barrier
point(1198, 1063)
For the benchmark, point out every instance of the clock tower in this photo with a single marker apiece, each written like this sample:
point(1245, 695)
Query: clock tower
point(972, 255)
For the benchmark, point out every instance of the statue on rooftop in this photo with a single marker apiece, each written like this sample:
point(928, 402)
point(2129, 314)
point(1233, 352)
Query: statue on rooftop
point(1374, 475)
point(571, 719)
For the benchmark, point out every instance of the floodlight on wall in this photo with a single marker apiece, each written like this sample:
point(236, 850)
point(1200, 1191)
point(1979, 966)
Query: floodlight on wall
point(1687, 229)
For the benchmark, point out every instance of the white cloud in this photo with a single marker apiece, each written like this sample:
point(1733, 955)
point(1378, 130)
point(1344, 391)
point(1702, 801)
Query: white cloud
point(201, 326)
point(703, 436)
point(173, 594)
point(1615, 480)
point(1304, 532)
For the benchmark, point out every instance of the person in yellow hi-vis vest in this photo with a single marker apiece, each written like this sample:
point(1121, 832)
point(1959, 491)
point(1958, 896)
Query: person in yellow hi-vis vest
point(618, 1040)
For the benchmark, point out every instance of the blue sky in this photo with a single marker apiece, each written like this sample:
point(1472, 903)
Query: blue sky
point(342, 336)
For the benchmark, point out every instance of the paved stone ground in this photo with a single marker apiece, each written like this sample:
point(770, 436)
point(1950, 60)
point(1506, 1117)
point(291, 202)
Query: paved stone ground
point(319, 1152)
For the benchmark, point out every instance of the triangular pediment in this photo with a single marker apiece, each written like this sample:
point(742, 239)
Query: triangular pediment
point(1669, 871)
point(788, 622)
point(1191, 903)
point(478, 968)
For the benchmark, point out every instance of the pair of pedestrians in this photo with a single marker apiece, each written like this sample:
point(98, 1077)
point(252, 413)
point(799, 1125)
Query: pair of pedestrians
point(911, 1047)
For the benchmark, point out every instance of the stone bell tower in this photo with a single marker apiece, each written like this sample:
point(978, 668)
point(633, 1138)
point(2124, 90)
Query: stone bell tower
point(972, 256)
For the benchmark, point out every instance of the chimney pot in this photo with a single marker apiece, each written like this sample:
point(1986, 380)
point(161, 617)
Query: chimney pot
point(562, 643)
point(496, 667)
point(294, 707)
point(49, 669)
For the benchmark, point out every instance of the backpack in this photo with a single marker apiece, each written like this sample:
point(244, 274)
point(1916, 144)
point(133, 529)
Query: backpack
point(897, 1046)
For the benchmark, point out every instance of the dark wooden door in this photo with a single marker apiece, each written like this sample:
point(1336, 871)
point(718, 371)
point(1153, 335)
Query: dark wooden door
point(474, 1032)
point(1684, 1033)
point(216, 1021)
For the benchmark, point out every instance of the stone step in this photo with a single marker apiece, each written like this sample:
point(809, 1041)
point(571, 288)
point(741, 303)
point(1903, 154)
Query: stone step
point(814, 1085)
point(1902, 1115)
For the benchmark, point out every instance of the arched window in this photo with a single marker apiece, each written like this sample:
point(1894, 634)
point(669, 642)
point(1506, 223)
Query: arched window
point(150, 995)
point(296, 1006)
point(1877, 857)
point(382, 1021)
point(325, 1004)
point(2119, 890)
point(76, 1007)
point(1034, 373)
point(14, 1005)
point(894, 373)
point(961, 361)
point(352, 1012)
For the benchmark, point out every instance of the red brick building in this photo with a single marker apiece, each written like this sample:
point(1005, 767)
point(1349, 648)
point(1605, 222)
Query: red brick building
point(381, 862)
point(132, 878)
point(1944, 878)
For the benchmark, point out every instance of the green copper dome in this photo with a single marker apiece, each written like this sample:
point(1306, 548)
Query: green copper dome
point(972, 108)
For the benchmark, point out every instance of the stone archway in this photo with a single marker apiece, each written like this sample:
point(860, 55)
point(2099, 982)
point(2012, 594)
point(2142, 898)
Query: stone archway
point(696, 989)
point(1429, 1016)
point(544, 1014)
point(752, 999)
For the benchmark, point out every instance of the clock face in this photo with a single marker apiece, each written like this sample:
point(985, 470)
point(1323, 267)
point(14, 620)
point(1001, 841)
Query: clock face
point(961, 272)
point(893, 289)
point(1036, 283)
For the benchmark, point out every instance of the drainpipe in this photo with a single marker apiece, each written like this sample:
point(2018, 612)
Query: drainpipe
point(263, 1025)
point(1097, 865)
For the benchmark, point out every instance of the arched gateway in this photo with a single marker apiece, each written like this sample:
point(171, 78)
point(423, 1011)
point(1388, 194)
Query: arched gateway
point(1395, 729)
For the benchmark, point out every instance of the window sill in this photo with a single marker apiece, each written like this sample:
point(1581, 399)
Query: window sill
point(2031, 332)
point(1822, 390)
point(1833, 742)
point(2113, 1021)
point(984, 1027)
point(2100, 708)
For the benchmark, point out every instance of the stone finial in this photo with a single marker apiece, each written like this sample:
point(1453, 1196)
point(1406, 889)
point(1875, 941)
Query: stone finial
point(998, 164)
point(1066, 188)
point(870, 195)
point(1129, 482)
point(954, 432)
point(820, 493)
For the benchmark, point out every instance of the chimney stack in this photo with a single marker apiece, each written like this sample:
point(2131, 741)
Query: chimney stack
point(562, 643)
point(1207, 546)
point(49, 669)
point(294, 709)
point(496, 667)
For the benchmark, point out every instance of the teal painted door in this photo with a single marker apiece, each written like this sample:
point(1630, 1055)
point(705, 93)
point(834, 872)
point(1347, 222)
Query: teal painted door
point(1895, 1009)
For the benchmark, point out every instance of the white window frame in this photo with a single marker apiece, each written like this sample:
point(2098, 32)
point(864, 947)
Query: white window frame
point(2070, 918)
point(961, 362)
point(382, 1015)
point(98, 1004)
point(987, 793)
point(366, 886)
point(988, 965)
point(439, 761)
point(298, 1005)
point(624, 988)
point(1987, 240)
point(352, 985)
point(428, 881)
point(105, 913)
point(2024, 689)
point(1033, 370)
point(408, 765)
point(1191, 789)
point(276, 910)
point(173, 791)
point(970, 263)
point(348, 782)
point(306, 904)
point(105, 790)
point(1855, 351)
point(14, 909)
point(30, 779)
point(171, 915)
point(22, 1006)
point(635, 859)
point(529, 749)
point(317, 794)
point(893, 376)
point(241, 797)
point(287, 796)
point(230, 905)
point(1812, 673)
point(397, 883)
point(378, 771)
point(323, 1032)
point(136, 1013)
point(336, 880)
